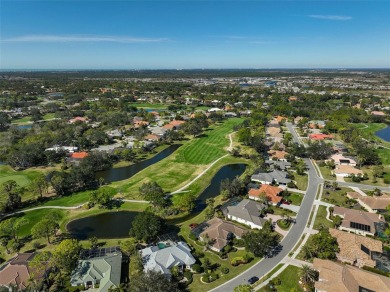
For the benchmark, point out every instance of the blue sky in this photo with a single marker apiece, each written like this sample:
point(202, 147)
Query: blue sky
point(194, 34)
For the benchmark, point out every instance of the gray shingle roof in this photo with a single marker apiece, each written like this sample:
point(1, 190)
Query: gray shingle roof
point(247, 210)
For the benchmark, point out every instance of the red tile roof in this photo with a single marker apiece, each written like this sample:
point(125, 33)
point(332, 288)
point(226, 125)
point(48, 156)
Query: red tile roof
point(79, 155)
point(270, 191)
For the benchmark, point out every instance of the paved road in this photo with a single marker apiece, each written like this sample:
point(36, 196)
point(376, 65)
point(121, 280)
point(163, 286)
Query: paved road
point(266, 265)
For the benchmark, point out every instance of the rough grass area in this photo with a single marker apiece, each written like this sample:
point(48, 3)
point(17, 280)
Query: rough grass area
point(321, 220)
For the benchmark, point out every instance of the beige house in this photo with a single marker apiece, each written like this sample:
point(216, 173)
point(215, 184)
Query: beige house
point(356, 249)
point(357, 221)
point(342, 160)
point(335, 277)
point(346, 170)
point(375, 204)
point(220, 233)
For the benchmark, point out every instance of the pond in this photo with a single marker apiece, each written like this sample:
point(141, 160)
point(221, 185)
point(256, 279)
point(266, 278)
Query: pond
point(384, 133)
point(229, 171)
point(122, 173)
point(25, 127)
point(117, 224)
point(105, 225)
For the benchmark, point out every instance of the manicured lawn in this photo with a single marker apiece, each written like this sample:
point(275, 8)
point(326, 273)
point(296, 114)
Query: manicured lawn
point(208, 147)
point(289, 280)
point(326, 173)
point(34, 216)
point(185, 164)
point(321, 219)
point(49, 116)
point(295, 198)
point(337, 197)
point(384, 155)
point(22, 120)
point(23, 178)
point(301, 181)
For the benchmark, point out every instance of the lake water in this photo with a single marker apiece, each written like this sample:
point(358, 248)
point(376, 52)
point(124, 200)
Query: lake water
point(25, 127)
point(118, 224)
point(122, 173)
point(105, 225)
point(228, 171)
point(384, 133)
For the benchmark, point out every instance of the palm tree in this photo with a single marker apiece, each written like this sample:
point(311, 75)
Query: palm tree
point(308, 276)
point(307, 252)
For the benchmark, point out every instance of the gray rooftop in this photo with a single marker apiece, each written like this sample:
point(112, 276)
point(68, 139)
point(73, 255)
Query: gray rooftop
point(248, 210)
point(275, 175)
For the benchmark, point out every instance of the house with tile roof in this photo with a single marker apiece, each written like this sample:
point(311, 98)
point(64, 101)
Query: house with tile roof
point(278, 155)
point(358, 222)
point(346, 170)
point(247, 212)
point(320, 137)
point(271, 192)
point(340, 159)
point(220, 232)
point(79, 155)
point(356, 249)
point(163, 259)
point(17, 272)
point(374, 204)
point(104, 270)
point(345, 278)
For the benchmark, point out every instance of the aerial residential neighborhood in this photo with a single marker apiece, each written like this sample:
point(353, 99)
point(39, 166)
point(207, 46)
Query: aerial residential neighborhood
point(219, 146)
point(191, 197)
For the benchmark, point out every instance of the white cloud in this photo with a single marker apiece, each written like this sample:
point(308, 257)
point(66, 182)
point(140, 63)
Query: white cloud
point(81, 38)
point(331, 17)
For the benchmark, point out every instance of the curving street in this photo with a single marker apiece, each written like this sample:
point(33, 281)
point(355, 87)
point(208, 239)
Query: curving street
point(268, 264)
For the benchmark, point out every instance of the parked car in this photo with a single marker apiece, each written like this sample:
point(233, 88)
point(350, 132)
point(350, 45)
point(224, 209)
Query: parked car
point(253, 280)
point(193, 225)
point(286, 203)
